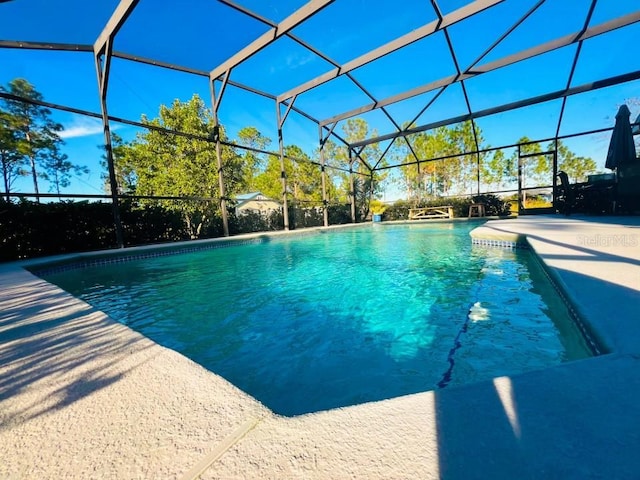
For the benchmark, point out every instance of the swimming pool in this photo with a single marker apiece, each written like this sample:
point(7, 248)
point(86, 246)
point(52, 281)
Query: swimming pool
point(344, 317)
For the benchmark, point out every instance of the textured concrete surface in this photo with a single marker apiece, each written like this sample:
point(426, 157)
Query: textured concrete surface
point(82, 396)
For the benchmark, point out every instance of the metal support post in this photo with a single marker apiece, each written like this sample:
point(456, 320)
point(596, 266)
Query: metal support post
point(216, 137)
point(283, 175)
point(520, 192)
point(555, 172)
point(352, 187)
point(223, 192)
point(323, 174)
point(371, 187)
point(103, 81)
point(478, 170)
point(103, 49)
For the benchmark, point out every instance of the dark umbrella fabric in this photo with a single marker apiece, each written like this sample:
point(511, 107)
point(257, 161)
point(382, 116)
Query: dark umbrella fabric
point(621, 149)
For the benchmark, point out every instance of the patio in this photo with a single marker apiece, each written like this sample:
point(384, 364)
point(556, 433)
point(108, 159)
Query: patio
point(85, 397)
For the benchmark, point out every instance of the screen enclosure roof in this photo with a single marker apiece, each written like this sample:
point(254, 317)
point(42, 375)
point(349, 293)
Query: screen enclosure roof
point(404, 66)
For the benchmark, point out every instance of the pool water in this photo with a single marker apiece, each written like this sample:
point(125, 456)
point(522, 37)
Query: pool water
point(354, 315)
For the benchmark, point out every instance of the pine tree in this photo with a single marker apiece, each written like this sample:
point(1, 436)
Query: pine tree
point(35, 135)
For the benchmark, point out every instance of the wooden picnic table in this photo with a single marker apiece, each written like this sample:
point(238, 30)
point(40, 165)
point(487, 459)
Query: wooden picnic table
point(425, 213)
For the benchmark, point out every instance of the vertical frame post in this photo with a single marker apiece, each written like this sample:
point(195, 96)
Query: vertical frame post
point(103, 49)
point(371, 188)
point(323, 175)
point(478, 172)
point(352, 187)
point(520, 195)
point(283, 175)
point(215, 101)
point(102, 72)
point(555, 171)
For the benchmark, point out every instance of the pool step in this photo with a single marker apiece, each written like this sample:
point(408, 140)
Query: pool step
point(493, 237)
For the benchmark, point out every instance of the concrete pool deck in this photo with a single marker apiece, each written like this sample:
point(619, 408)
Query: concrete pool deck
point(82, 396)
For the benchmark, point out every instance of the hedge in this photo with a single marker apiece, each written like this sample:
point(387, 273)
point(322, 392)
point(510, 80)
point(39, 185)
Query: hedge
point(29, 229)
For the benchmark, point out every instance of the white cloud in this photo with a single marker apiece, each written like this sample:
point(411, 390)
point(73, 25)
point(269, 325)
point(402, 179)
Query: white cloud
point(291, 62)
point(83, 127)
point(80, 131)
point(296, 61)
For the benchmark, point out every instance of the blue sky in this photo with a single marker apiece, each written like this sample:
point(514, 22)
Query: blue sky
point(202, 33)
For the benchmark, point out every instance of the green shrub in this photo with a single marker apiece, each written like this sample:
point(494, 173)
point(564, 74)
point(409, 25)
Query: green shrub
point(339, 214)
point(494, 206)
point(142, 225)
point(30, 229)
point(301, 216)
point(398, 211)
point(254, 222)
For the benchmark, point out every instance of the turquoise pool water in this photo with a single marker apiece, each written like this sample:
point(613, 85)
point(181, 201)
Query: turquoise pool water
point(334, 319)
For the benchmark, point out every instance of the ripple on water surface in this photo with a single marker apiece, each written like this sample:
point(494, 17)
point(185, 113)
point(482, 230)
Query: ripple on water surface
point(335, 319)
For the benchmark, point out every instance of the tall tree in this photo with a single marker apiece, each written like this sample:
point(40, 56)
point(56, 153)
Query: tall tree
point(456, 174)
point(367, 184)
point(304, 181)
point(492, 171)
point(463, 168)
point(498, 171)
point(58, 169)
point(335, 156)
point(124, 166)
point(577, 168)
point(422, 180)
point(37, 135)
point(252, 162)
point(166, 164)
point(536, 166)
point(11, 161)
point(306, 177)
point(268, 181)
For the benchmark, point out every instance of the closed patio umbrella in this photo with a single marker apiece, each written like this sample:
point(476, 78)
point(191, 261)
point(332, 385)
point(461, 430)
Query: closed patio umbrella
point(621, 149)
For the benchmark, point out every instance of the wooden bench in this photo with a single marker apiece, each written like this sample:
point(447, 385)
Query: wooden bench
point(426, 213)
